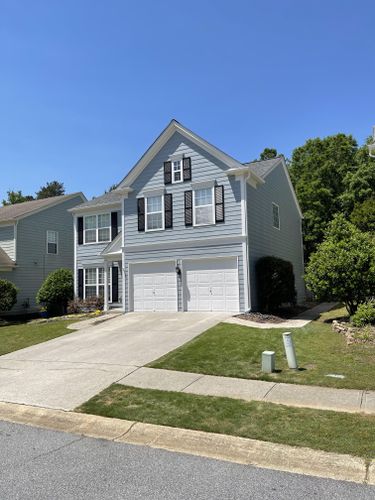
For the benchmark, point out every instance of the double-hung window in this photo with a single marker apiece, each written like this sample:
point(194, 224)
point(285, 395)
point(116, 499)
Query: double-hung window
point(97, 228)
point(94, 282)
point(275, 216)
point(176, 171)
point(52, 241)
point(154, 213)
point(203, 203)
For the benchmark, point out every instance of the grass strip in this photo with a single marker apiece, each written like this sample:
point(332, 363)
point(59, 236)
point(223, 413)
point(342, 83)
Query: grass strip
point(323, 430)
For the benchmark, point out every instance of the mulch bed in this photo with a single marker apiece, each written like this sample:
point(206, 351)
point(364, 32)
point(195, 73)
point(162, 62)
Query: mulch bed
point(279, 317)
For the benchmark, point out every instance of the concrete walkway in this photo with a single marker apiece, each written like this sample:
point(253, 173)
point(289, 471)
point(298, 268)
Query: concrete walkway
point(299, 321)
point(324, 398)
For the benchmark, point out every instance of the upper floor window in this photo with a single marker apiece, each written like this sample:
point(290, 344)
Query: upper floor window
point(52, 240)
point(176, 171)
point(97, 228)
point(275, 216)
point(154, 213)
point(203, 204)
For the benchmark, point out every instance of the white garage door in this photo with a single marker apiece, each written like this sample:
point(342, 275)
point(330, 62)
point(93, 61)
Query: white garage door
point(211, 285)
point(154, 287)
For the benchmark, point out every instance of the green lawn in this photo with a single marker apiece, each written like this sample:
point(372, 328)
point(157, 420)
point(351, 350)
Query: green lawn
point(235, 351)
point(20, 335)
point(324, 430)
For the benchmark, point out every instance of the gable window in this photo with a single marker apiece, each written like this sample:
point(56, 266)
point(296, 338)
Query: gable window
point(94, 282)
point(97, 228)
point(275, 216)
point(176, 171)
point(52, 237)
point(154, 213)
point(203, 206)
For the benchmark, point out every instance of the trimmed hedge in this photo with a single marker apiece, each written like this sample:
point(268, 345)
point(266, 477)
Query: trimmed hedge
point(275, 283)
point(56, 291)
point(8, 295)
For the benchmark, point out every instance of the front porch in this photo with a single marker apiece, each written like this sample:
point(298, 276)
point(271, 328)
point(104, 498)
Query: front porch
point(113, 275)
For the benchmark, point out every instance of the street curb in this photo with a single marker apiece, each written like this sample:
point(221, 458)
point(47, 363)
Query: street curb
point(218, 446)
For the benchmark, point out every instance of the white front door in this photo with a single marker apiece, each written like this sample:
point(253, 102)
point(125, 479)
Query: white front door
point(211, 285)
point(154, 287)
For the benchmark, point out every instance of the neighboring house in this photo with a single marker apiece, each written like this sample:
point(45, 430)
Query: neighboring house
point(36, 238)
point(184, 229)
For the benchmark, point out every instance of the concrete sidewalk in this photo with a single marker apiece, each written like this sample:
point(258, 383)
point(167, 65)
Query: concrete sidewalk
point(323, 398)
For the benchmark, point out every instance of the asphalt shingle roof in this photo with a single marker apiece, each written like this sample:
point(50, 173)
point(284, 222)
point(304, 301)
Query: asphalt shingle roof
point(14, 212)
point(5, 260)
point(262, 167)
point(105, 199)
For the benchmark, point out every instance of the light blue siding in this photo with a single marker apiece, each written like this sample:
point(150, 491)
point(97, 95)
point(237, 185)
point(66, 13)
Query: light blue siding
point(33, 262)
point(264, 239)
point(7, 240)
point(204, 168)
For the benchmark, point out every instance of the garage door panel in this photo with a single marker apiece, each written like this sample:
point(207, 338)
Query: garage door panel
point(212, 285)
point(154, 287)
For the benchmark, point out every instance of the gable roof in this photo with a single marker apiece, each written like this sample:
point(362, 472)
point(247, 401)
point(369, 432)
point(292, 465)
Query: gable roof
point(5, 261)
point(11, 213)
point(175, 126)
point(112, 198)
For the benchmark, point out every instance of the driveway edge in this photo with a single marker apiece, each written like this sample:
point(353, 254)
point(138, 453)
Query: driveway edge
point(218, 446)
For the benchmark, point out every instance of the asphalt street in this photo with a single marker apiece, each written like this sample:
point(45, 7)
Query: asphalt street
point(41, 464)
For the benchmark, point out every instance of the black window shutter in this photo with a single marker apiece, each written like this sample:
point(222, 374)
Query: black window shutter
point(80, 283)
point(141, 214)
point(168, 211)
point(167, 172)
point(114, 284)
point(186, 164)
point(188, 208)
point(114, 224)
point(80, 230)
point(219, 204)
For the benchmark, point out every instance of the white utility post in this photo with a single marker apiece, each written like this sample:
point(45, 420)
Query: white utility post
point(290, 351)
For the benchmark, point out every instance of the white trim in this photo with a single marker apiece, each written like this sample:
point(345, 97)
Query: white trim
point(152, 192)
point(75, 271)
point(57, 242)
point(193, 243)
point(245, 255)
point(162, 212)
point(203, 184)
point(180, 170)
point(96, 229)
point(124, 283)
point(162, 139)
point(213, 223)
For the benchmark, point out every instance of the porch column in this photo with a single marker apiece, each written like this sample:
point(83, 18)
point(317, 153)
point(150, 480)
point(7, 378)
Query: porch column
point(106, 307)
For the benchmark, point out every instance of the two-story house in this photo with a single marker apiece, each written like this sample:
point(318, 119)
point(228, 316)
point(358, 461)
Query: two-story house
point(36, 238)
point(185, 227)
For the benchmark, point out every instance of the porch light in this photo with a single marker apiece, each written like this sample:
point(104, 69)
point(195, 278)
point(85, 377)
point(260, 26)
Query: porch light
point(178, 270)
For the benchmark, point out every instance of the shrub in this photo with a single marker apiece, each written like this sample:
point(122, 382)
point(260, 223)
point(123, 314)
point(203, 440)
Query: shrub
point(56, 291)
point(365, 314)
point(8, 295)
point(85, 305)
point(275, 283)
point(343, 267)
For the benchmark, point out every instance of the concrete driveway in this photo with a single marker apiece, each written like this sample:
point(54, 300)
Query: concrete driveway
point(67, 371)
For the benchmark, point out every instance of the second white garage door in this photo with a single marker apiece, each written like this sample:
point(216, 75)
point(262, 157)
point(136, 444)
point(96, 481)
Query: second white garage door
point(211, 285)
point(154, 287)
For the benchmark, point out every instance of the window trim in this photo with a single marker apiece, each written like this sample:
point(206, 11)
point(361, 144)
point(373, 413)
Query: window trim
point(278, 216)
point(162, 212)
point(213, 223)
point(97, 284)
point(181, 170)
point(57, 242)
point(97, 229)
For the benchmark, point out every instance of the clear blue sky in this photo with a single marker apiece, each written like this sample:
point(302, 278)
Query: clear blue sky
point(87, 85)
